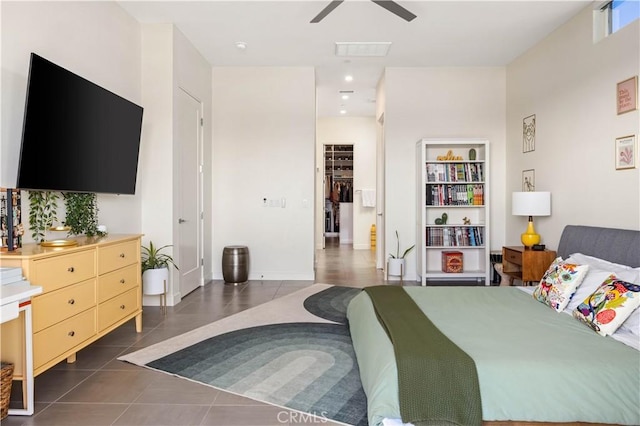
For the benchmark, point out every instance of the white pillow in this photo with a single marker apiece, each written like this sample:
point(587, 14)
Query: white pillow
point(597, 263)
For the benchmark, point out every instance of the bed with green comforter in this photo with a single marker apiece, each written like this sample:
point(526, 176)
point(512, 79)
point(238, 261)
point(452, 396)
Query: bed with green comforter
point(533, 364)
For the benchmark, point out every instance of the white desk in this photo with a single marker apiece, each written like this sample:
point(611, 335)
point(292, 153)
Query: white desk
point(16, 298)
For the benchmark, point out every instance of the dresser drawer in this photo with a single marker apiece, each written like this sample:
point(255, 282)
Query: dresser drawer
point(58, 305)
point(56, 340)
point(117, 308)
point(117, 282)
point(513, 256)
point(117, 256)
point(60, 271)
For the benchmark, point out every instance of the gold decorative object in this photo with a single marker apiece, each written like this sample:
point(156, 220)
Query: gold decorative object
point(449, 157)
point(58, 243)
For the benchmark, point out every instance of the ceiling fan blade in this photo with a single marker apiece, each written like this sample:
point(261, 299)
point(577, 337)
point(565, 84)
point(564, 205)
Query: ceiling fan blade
point(395, 8)
point(327, 10)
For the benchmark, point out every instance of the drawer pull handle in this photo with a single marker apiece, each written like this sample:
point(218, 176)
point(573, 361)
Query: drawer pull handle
point(70, 269)
point(122, 281)
point(72, 333)
point(122, 255)
point(121, 306)
point(71, 301)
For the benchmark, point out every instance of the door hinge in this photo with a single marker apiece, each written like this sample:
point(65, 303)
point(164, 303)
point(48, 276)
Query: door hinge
point(201, 262)
point(201, 215)
point(201, 121)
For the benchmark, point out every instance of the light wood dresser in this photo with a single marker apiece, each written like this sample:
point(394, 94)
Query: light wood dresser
point(88, 290)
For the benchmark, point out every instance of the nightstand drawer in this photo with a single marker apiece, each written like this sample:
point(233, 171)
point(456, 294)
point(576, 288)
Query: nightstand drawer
point(513, 256)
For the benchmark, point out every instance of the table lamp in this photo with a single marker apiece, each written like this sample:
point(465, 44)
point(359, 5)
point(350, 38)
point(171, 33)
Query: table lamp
point(531, 204)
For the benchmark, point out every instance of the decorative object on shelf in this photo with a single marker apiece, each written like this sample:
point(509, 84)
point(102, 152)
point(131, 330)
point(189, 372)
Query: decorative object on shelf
point(449, 157)
point(472, 154)
point(442, 220)
point(11, 229)
point(528, 180)
point(82, 213)
point(626, 152)
point(43, 206)
point(530, 204)
point(466, 221)
point(396, 263)
point(452, 262)
point(627, 95)
point(529, 133)
point(155, 272)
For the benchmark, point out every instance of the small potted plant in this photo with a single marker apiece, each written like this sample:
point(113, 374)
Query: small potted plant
point(155, 269)
point(396, 261)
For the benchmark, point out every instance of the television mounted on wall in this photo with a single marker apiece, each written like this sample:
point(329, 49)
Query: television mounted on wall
point(76, 136)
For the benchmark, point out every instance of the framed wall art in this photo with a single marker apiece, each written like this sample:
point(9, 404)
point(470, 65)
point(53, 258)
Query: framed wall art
point(626, 152)
point(528, 180)
point(627, 95)
point(529, 133)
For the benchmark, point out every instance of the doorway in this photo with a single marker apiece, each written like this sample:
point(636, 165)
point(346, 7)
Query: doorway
point(338, 194)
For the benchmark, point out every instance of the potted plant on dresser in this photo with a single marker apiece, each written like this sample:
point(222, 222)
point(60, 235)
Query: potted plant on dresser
point(396, 266)
point(155, 269)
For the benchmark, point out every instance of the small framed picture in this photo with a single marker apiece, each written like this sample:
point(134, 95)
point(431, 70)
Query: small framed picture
point(627, 95)
point(528, 180)
point(626, 152)
point(529, 133)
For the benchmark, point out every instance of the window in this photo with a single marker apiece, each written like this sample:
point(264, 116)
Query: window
point(612, 15)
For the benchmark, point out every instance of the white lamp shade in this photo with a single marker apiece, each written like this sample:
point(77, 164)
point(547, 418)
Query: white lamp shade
point(531, 204)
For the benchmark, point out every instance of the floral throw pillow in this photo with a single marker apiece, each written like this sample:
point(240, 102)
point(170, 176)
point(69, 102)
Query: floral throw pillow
point(559, 283)
point(609, 306)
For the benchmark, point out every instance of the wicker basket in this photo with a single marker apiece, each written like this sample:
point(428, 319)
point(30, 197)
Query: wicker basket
point(5, 389)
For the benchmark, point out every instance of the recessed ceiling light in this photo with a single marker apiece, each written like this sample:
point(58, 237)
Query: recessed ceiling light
point(343, 111)
point(348, 78)
point(241, 45)
point(345, 97)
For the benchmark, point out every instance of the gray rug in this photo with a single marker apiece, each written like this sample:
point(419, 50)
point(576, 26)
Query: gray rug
point(307, 365)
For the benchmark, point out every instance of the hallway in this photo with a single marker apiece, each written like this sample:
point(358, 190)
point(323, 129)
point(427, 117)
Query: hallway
point(339, 264)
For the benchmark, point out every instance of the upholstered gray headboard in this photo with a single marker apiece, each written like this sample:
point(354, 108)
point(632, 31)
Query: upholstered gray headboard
point(615, 245)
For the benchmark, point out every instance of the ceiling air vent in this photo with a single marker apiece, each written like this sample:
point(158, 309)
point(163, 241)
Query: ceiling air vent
point(362, 48)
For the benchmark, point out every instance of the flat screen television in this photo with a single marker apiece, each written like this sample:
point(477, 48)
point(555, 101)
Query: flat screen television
point(76, 136)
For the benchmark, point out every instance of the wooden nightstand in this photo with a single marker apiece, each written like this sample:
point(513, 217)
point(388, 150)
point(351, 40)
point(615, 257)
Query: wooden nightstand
point(525, 265)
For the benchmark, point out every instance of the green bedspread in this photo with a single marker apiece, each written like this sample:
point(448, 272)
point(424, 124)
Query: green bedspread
point(533, 364)
point(425, 359)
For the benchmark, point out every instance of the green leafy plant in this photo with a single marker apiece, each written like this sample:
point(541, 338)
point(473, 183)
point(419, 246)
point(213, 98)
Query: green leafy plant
point(152, 258)
point(82, 213)
point(43, 206)
point(397, 255)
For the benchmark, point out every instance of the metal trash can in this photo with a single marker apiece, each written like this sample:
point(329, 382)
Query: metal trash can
point(235, 264)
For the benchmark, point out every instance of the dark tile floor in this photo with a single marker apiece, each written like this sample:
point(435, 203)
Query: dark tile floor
point(100, 390)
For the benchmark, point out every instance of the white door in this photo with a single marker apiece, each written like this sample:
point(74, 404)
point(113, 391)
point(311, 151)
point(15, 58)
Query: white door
point(188, 200)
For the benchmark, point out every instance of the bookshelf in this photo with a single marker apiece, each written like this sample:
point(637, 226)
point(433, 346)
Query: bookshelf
point(452, 208)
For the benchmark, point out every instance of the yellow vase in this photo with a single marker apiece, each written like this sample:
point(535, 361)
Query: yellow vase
point(529, 238)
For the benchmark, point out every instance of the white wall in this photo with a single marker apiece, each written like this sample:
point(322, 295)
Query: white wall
point(569, 83)
point(361, 133)
point(170, 62)
point(96, 40)
point(263, 147)
point(433, 103)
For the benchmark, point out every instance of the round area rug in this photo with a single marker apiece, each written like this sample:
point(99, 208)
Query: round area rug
point(331, 304)
point(310, 367)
